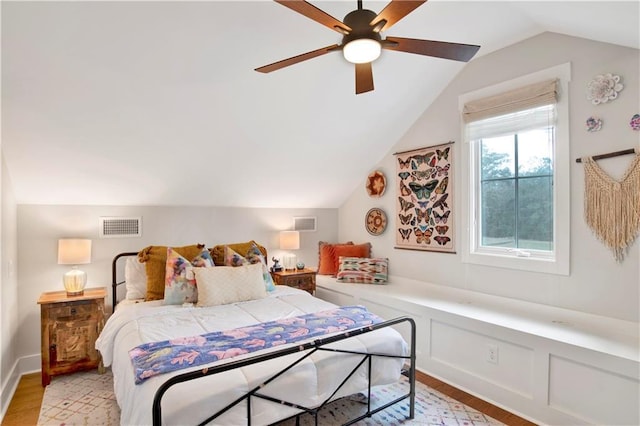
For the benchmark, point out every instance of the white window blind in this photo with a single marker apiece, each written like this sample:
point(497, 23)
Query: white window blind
point(522, 98)
point(516, 122)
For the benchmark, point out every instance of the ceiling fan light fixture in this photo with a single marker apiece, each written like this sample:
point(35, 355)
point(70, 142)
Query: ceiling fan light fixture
point(362, 50)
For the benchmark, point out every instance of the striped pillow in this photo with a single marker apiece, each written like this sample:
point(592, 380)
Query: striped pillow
point(363, 270)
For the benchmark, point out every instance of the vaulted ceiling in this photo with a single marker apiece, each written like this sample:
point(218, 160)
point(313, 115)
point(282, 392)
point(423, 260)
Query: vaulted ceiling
point(158, 103)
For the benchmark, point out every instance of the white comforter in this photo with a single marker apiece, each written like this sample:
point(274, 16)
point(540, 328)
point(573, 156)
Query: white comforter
point(308, 384)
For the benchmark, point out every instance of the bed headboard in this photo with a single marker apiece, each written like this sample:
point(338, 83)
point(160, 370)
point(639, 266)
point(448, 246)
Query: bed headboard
point(216, 254)
point(114, 276)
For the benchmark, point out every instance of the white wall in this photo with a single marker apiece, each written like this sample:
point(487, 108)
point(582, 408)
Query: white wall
point(8, 292)
point(597, 284)
point(40, 227)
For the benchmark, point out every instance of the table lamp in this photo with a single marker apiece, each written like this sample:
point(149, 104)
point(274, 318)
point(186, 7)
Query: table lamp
point(72, 251)
point(289, 240)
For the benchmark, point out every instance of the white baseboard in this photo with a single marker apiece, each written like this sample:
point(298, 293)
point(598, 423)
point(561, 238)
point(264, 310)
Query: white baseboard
point(25, 365)
point(8, 389)
point(30, 364)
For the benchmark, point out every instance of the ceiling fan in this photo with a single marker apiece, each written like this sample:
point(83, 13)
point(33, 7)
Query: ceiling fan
point(362, 42)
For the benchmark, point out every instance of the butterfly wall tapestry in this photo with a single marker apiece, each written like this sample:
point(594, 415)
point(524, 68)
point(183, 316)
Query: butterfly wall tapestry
point(424, 199)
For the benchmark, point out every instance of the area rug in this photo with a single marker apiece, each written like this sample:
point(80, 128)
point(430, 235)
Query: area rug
point(80, 399)
point(87, 399)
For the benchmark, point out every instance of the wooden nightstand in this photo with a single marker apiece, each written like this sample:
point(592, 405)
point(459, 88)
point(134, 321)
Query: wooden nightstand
point(70, 327)
point(304, 279)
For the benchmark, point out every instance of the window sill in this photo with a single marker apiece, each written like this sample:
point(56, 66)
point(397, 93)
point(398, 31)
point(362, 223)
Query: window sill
point(514, 261)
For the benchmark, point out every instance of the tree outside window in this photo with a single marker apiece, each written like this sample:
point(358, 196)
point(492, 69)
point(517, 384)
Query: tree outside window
point(516, 190)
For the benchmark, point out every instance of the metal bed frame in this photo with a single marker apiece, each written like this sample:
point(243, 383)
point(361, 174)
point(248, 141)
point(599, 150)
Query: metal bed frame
point(306, 350)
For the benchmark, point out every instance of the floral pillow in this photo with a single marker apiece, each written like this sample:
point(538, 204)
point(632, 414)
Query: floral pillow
point(155, 261)
point(180, 282)
point(233, 258)
point(363, 270)
point(254, 255)
point(217, 252)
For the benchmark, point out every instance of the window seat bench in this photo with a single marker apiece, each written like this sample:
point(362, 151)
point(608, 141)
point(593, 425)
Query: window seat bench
point(552, 366)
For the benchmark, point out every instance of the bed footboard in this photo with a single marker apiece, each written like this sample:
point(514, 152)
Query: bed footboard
point(305, 349)
point(310, 348)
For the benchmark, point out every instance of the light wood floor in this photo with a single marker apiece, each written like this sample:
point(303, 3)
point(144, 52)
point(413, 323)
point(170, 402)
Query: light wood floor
point(24, 408)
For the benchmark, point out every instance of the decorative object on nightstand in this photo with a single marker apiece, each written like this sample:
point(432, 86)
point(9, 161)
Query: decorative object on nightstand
point(73, 251)
point(289, 240)
point(304, 279)
point(277, 267)
point(70, 326)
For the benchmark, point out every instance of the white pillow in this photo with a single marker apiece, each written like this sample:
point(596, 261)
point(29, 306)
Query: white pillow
point(135, 276)
point(229, 284)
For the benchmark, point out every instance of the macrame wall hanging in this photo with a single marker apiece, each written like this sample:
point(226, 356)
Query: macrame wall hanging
point(611, 207)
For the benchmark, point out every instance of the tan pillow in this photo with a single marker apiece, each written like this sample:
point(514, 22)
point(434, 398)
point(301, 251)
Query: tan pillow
point(217, 252)
point(155, 261)
point(229, 284)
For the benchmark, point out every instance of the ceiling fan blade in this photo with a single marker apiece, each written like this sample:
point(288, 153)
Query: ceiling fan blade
point(438, 49)
point(296, 59)
point(364, 78)
point(395, 11)
point(312, 12)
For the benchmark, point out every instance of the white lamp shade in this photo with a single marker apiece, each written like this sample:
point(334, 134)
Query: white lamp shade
point(72, 251)
point(362, 51)
point(289, 240)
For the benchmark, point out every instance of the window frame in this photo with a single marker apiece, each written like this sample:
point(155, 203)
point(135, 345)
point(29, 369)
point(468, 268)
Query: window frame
point(557, 261)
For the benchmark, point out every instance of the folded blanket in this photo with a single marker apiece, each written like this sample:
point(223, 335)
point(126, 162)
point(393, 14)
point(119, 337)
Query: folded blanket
point(152, 359)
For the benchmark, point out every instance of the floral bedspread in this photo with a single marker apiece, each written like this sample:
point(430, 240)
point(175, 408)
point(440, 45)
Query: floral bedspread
point(152, 359)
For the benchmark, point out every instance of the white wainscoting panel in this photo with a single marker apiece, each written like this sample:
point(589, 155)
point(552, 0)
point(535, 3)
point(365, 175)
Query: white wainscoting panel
point(584, 369)
point(593, 394)
point(335, 297)
point(469, 351)
point(389, 312)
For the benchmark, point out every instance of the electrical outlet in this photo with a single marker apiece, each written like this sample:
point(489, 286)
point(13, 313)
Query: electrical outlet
point(492, 353)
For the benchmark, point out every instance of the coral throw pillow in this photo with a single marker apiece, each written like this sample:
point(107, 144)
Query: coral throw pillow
point(325, 257)
point(356, 250)
point(330, 253)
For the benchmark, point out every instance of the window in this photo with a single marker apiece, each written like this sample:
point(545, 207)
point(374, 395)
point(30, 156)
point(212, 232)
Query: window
point(517, 179)
point(514, 188)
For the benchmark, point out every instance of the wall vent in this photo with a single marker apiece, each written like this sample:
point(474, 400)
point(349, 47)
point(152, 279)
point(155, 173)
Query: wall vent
point(120, 227)
point(304, 224)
